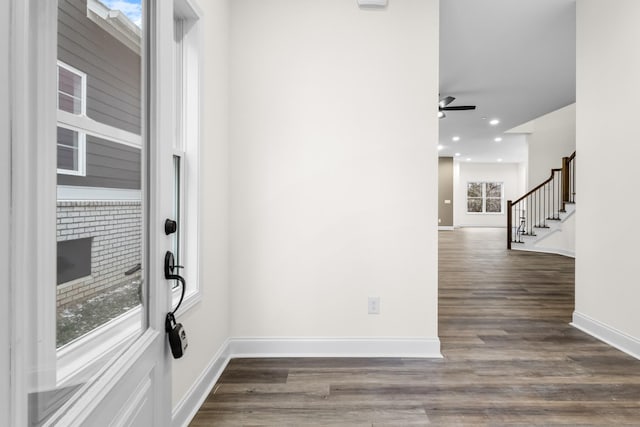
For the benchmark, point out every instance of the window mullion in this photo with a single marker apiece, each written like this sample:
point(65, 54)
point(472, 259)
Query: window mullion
point(484, 197)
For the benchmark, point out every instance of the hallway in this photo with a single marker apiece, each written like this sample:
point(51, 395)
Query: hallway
point(510, 357)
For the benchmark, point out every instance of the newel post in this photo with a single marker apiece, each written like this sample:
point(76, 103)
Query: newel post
point(509, 224)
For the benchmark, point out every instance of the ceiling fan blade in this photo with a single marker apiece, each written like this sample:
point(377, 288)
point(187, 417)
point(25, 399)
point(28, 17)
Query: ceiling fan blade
point(459, 108)
point(446, 101)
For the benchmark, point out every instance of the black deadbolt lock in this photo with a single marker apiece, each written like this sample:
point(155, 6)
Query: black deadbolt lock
point(170, 226)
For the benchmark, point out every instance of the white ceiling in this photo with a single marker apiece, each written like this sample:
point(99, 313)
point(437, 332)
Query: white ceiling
point(514, 59)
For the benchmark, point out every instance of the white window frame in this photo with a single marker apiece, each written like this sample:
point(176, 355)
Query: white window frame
point(6, 381)
point(187, 103)
point(82, 138)
point(484, 198)
point(82, 153)
point(83, 86)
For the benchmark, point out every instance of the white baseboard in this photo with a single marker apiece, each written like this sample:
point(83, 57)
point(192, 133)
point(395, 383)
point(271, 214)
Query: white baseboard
point(187, 408)
point(480, 226)
point(555, 251)
point(335, 347)
point(607, 334)
point(445, 228)
point(235, 348)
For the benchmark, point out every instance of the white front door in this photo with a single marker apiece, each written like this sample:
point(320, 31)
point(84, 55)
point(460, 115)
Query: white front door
point(91, 187)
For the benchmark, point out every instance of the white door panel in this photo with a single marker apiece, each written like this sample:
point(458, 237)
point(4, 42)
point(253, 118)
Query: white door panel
point(88, 343)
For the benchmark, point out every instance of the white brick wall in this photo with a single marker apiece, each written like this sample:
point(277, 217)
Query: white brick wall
point(116, 231)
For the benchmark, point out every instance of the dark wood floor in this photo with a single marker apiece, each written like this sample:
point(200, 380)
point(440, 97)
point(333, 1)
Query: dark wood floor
point(510, 358)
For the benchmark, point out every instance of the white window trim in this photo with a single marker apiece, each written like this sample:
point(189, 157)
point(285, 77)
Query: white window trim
point(79, 360)
point(484, 198)
point(69, 193)
point(188, 123)
point(91, 127)
point(6, 408)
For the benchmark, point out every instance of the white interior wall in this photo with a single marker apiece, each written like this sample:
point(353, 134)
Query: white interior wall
point(333, 168)
point(508, 173)
point(549, 138)
point(523, 178)
point(207, 323)
point(608, 66)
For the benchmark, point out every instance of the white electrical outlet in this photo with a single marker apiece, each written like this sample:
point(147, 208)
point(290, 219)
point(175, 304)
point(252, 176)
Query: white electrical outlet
point(374, 305)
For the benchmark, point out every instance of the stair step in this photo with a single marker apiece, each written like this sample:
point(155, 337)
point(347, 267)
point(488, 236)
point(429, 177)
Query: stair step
point(554, 219)
point(541, 226)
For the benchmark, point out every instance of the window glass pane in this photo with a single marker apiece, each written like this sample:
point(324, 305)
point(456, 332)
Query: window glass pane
point(95, 300)
point(494, 205)
point(67, 158)
point(69, 91)
point(176, 237)
point(69, 104)
point(113, 90)
point(494, 189)
point(100, 284)
point(67, 149)
point(474, 189)
point(67, 137)
point(474, 205)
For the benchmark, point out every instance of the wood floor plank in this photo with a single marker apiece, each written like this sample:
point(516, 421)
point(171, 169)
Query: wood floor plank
point(510, 358)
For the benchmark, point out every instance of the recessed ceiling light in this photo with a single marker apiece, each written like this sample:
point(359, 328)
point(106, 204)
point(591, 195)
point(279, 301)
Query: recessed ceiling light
point(499, 160)
point(457, 154)
point(498, 139)
point(468, 159)
point(456, 138)
point(440, 147)
point(494, 122)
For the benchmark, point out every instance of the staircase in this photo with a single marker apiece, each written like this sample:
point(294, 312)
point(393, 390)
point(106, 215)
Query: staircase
point(536, 221)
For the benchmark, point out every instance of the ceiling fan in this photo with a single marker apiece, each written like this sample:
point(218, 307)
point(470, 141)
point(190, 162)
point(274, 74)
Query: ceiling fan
point(443, 106)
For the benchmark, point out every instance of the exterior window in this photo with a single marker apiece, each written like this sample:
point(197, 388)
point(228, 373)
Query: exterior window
point(484, 197)
point(74, 259)
point(71, 151)
point(72, 98)
point(71, 89)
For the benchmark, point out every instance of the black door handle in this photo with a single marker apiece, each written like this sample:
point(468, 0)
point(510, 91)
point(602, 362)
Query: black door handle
point(169, 266)
point(175, 331)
